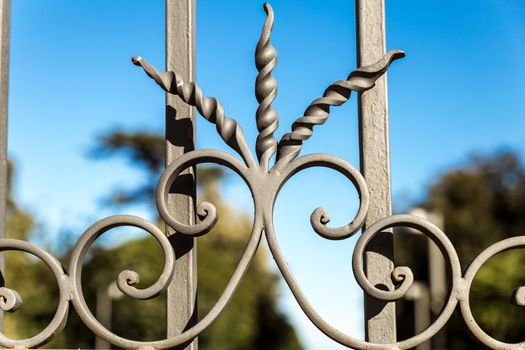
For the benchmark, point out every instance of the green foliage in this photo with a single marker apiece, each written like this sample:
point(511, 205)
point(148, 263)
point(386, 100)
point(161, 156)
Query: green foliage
point(250, 321)
point(27, 275)
point(482, 202)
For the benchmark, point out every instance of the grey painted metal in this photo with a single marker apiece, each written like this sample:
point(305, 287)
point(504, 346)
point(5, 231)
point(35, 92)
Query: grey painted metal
point(436, 272)
point(11, 301)
point(420, 295)
point(181, 308)
point(436, 264)
point(71, 289)
point(380, 317)
point(266, 92)
point(265, 182)
point(5, 19)
point(104, 308)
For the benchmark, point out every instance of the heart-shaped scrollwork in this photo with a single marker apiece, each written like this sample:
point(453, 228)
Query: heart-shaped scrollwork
point(264, 182)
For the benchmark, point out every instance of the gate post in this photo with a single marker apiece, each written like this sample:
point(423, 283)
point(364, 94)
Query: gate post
point(380, 316)
point(181, 309)
point(5, 14)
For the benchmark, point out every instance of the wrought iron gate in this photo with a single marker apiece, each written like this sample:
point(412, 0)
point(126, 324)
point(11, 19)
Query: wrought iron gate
point(373, 265)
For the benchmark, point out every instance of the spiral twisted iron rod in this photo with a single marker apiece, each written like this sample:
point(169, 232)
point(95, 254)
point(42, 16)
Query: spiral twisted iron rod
point(266, 91)
point(336, 94)
point(209, 107)
point(265, 187)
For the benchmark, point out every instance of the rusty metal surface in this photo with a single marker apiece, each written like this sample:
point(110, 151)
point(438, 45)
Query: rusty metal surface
point(265, 181)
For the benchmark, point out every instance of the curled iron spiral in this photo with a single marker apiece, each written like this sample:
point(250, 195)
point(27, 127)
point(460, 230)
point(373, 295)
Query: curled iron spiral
point(266, 91)
point(11, 300)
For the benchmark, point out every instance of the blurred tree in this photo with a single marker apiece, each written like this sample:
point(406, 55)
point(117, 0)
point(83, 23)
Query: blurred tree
point(482, 203)
point(251, 320)
point(30, 277)
point(143, 150)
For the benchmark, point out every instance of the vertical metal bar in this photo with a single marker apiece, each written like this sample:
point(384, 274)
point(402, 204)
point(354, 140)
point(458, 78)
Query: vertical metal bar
point(422, 318)
point(436, 267)
point(5, 19)
point(437, 280)
point(103, 311)
point(180, 138)
point(420, 295)
point(375, 165)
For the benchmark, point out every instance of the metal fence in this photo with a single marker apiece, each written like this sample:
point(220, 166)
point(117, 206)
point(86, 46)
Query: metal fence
point(372, 260)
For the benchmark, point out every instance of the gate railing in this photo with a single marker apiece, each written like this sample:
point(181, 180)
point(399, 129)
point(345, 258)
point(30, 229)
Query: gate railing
point(372, 259)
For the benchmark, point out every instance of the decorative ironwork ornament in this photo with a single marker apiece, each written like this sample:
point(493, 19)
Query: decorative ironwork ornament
point(265, 181)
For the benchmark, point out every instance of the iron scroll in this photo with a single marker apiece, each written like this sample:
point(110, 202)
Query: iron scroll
point(264, 181)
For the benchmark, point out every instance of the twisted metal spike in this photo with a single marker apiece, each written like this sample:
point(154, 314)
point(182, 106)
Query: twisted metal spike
point(209, 107)
point(336, 94)
point(266, 91)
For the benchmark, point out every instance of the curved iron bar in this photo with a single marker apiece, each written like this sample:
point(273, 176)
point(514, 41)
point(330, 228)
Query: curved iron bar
point(349, 341)
point(13, 300)
point(319, 218)
point(401, 275)
point(71, 289)
point(10, 300)
point(127, 279)
point(464, 302)
point(97, 328)
point(206, 211)
point(265, 187)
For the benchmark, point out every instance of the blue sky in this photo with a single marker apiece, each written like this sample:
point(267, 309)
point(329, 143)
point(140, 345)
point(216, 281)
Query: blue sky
point(458, 91)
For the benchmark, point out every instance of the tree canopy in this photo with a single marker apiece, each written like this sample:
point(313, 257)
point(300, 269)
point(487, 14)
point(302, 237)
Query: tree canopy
point(482, 202)
point(251, 320)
